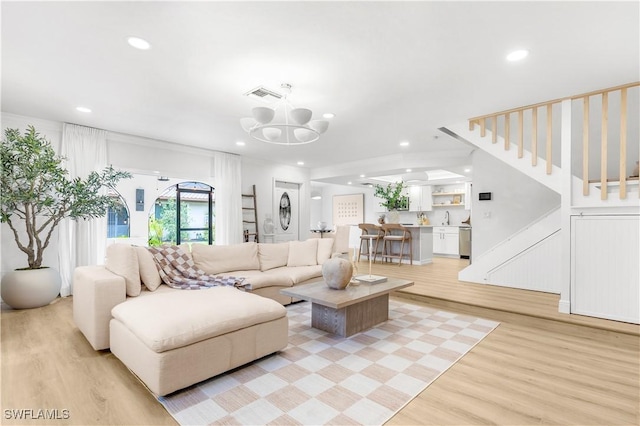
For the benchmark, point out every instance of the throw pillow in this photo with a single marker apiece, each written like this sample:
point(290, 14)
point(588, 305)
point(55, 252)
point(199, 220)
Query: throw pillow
point(325, 247)
point(148, 270)
point(303, 253)
point(122, 260)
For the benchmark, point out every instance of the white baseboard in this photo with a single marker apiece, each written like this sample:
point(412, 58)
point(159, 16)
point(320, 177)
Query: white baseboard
point(564, 306)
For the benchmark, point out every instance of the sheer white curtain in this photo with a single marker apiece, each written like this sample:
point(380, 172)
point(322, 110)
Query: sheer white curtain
point(227, 169)
point(81, 242)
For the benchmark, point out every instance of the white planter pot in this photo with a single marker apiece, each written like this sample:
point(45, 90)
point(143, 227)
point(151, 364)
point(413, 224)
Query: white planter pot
point(393, 216)
point(30, 288)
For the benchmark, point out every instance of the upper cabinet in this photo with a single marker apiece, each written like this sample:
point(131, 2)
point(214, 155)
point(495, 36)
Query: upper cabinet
point(420, 198)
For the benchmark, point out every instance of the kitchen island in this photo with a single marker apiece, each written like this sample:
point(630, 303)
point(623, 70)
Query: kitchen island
point(421, 242)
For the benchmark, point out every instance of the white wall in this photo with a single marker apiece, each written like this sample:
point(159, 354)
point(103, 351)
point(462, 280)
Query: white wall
point(323, 209)
point(147, 159)
point(517, 200)
point(263, 175)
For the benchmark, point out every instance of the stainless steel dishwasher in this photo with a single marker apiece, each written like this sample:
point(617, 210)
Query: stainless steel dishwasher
point(465, 242)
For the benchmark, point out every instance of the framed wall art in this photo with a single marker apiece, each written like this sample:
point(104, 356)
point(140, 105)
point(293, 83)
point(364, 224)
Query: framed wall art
point(348, 209)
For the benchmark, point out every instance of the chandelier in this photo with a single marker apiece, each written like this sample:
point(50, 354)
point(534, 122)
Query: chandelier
point(284, 124)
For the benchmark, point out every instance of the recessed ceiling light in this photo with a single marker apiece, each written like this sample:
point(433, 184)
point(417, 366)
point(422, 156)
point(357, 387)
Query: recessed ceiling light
point(467, 170)
point(300, 163)
point(83, 109)
point(404, 143)
point(408, 170)
point(517, 55)
point(328, 115)
point(240, 143)
point(361, 176)
point(349, 183)
point(139, 43)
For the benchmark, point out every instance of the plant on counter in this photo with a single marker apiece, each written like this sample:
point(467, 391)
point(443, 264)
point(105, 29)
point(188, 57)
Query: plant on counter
point(37, 192)
point(392, 196)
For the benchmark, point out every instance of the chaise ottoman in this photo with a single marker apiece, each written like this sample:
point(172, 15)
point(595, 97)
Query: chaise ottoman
point(180, 337)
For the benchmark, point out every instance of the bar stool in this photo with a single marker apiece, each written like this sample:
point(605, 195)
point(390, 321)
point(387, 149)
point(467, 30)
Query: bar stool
point(396, 233)
point(370, 233)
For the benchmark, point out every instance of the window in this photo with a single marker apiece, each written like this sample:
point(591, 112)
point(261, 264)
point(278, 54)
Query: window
point(117, 217)
point(183, 213)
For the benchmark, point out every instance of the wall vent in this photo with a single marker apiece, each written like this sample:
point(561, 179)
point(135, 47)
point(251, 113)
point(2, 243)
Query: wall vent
point(263, 94)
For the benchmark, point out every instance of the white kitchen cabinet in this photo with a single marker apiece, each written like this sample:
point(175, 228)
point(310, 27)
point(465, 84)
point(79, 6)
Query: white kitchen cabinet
point(420, 198)
point(446, 240)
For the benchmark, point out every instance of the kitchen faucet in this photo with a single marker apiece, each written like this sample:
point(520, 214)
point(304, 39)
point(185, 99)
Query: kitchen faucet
point(446, 218)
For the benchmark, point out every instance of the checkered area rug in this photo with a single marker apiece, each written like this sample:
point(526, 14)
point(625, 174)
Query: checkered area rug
point(321, 378)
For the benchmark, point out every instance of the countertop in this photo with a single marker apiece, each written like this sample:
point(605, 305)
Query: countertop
point(431, 226)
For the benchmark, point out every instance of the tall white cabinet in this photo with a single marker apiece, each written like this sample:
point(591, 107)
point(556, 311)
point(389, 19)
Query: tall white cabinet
point(605, 278)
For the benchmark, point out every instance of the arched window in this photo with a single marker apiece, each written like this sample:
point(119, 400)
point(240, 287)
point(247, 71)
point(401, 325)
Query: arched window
point(117, 217)
point(183, 213)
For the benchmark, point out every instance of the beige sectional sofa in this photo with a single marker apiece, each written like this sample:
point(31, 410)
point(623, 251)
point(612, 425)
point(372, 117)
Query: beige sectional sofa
point(174, 338)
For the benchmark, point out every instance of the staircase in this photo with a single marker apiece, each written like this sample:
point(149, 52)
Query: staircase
point(561, 145)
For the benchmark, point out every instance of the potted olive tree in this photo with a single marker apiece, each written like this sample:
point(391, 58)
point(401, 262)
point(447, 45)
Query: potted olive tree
point(36, 195)
point(393, 198)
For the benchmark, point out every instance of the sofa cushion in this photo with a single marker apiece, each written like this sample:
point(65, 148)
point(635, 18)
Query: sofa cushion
point(148, 270)
point(273, 255)
point(297, 273)
point(170, 320)
point(122, 260)
point(258, 279)
point(325, 248)
point(303, 253)
point(217, 259)
point(186, 247)
point(341, 244)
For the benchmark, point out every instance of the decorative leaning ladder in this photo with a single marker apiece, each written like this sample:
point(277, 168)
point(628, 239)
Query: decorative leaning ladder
point(253, 222)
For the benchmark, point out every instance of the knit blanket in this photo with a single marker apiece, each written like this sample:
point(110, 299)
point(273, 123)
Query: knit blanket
point(177, 270)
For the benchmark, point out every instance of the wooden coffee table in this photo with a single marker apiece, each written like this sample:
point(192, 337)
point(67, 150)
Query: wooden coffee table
point(349, 311)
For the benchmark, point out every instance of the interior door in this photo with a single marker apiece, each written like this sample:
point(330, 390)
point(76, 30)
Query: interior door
point(287, 214)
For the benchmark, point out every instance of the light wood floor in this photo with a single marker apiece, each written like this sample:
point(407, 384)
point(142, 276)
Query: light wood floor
point(533, 369)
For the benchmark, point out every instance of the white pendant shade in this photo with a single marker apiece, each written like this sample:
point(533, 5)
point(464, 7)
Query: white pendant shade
point(247, 123)
point(271, 133)
point(301, 115)
point(319, 126)
point(263, 115)
point(304, 135)
point(282, 123)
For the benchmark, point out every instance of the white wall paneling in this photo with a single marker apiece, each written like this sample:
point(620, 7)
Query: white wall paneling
point(538, 268)
point(520, 242)
point(605, 280)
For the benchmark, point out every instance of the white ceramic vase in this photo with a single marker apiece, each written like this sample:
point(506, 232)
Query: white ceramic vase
point(30, 288)
point(268, 225)
point(337, 273)
point(393, 216)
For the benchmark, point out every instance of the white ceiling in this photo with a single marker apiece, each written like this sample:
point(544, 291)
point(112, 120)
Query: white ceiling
point(390, 71)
